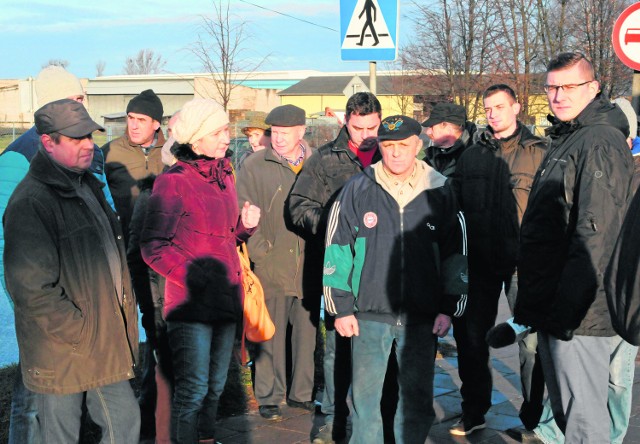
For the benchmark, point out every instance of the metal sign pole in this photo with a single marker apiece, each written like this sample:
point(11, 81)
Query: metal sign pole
point(372, 78)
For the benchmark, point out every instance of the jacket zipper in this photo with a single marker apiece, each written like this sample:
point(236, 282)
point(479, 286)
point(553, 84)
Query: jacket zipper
point(399, 320)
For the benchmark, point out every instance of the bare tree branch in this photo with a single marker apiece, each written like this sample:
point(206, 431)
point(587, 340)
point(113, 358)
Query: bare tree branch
point(100, 67)
point(57, 62)
point(220, 49)
point(145, 62)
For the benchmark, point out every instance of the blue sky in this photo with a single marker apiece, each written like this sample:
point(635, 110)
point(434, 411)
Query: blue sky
point(85, 32)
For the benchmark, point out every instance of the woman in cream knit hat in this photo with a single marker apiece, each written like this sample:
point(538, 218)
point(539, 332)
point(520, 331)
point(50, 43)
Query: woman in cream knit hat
point(190, 235)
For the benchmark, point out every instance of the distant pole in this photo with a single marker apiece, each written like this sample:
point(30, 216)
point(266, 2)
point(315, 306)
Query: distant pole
point(372, 78)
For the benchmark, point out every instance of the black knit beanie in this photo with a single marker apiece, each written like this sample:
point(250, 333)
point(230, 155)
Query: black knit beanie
point(147, 103)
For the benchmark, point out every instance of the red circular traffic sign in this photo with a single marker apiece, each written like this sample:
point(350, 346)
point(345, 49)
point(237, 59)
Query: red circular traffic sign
point(626, 36)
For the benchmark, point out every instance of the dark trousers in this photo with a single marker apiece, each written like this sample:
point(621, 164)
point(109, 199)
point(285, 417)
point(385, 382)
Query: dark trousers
point(296, 322)
point(474, 365)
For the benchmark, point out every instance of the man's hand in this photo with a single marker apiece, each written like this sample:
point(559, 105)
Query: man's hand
point(441, 325)
point(250, 215)
point(347, 326)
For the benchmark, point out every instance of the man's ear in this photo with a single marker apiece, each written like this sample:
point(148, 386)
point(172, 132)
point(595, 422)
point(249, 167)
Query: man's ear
point(302, 130)
point(47, 142)
point(516, 108)
point(156, 125)
point(419, 145)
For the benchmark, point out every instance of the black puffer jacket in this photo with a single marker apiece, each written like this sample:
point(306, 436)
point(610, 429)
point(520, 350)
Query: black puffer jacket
point(492, 182)
point(322, 177)
point(623, 278)
point(444, 160)
point(575, 211)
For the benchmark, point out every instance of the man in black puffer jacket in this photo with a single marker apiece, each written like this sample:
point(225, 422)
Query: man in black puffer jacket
point(575, 211)
point(492, 182)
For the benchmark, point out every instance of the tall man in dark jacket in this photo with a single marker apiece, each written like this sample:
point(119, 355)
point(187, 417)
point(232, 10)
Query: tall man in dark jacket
point(492, 181)
point(310, 200)
point(575, 211)
point(450, 135)
point(66, 271)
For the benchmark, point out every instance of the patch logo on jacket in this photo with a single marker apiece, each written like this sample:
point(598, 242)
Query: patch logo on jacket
point(329, 269)
point(370, 219)
point(431, 227)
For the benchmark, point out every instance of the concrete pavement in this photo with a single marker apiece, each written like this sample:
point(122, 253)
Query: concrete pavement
point(298, 426)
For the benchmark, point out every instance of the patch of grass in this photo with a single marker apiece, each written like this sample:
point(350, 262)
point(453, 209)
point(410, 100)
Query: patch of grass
point(5, 141)
point(7, 376)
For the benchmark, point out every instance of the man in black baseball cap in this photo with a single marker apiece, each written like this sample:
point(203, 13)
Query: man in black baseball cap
point(450, 133)
point(406, 293)
point(65, 269)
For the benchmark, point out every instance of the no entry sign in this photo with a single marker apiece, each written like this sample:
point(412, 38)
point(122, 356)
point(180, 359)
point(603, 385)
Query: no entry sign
point(626, 37)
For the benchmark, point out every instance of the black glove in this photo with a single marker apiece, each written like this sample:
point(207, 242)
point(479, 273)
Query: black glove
point(500, 336)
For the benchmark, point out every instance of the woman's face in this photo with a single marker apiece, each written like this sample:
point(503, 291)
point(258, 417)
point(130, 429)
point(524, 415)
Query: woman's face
point(214, 144)
point(257, 138)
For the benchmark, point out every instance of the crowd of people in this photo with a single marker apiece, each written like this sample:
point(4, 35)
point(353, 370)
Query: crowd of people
point(394, 249)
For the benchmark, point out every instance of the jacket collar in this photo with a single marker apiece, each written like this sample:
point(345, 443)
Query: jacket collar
point(158, 142)
point(341, 144)
point(44, 169)
point(209, 169)
point(599, 112)
point(272, 156)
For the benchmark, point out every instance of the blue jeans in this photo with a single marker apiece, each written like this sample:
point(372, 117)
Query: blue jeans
point(621, 372)
point(415, 353)
point(201, 355)
point(23, 426)
point(337, 374)
point(113, 407)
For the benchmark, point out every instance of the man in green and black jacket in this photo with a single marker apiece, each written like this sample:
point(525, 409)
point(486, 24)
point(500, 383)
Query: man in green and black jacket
point(395, 272)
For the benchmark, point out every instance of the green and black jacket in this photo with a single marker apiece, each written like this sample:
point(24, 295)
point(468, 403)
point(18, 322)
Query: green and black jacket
point(393, 265)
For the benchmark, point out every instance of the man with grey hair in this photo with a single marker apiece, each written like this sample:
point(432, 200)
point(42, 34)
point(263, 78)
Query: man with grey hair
point(265, 179)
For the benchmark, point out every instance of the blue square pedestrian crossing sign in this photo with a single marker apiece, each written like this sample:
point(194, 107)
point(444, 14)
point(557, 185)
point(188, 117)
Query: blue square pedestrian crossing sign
point(369, 29)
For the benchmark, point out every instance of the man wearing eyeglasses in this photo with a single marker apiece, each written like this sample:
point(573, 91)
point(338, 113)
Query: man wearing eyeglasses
point(574, 214)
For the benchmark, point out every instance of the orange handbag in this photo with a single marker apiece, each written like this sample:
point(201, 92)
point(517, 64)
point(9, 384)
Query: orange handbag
point(258, 326)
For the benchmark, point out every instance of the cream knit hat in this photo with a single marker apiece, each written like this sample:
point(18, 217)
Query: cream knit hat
point(198, 118)
point(55, 83)
point(630, 114)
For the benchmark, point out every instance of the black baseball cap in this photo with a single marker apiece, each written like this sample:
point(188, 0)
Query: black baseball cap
point(67, 117)
point(446, 112)
point(398, 128)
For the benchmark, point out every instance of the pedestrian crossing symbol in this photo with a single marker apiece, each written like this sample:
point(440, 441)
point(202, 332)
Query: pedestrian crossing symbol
point(369, 29)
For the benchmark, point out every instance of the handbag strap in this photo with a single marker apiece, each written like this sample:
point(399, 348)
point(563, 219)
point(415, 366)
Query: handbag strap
point(243, 250)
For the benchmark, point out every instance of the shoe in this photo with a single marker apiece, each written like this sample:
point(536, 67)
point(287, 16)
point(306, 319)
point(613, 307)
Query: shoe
point(524, 436)
point(466, 426)
point(306, 405)
point(270, 412)
point(325, 435)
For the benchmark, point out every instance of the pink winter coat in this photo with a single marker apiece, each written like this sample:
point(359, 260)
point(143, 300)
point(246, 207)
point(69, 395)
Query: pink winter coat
point(191, 230)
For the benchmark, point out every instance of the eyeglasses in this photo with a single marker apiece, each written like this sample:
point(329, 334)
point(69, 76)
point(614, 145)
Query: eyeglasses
point(569, 87)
